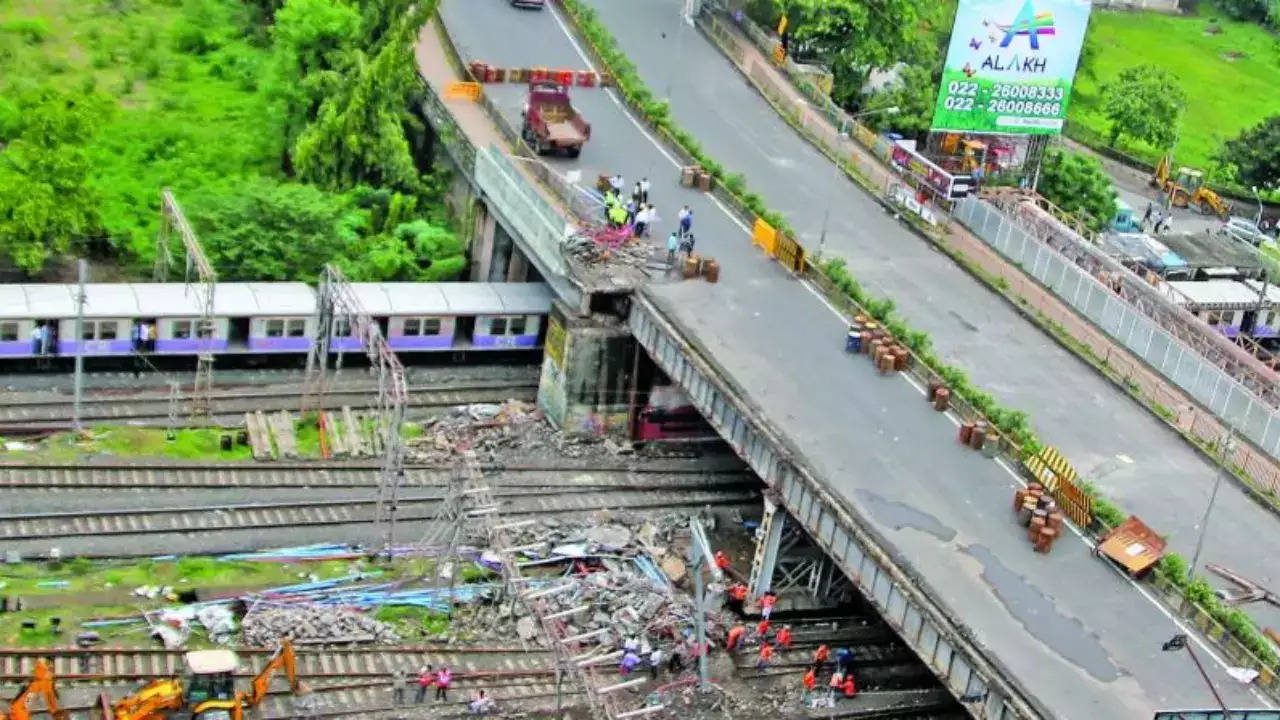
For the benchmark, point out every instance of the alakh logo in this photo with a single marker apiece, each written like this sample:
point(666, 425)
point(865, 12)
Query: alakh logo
point(1028, 23)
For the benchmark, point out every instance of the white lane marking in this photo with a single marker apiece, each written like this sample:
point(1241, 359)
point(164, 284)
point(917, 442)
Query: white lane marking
point(1000, 461)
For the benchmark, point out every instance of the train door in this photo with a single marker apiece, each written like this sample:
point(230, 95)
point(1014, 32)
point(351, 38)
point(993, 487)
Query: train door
point(238, 332)
point(44, 338)
point(465, 327)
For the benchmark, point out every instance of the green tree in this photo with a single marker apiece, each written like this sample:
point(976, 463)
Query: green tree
point(1255, 153)
point(264, 230)
point(852, 37)
point(1077, 184)
point(46, 206)
point(359, 134)
point(914, 97)
point(1145, 103)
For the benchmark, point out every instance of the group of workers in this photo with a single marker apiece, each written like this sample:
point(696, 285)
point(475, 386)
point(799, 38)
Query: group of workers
point(442, 679)
point(640, 216)
point(842, 679)
point(637, 653)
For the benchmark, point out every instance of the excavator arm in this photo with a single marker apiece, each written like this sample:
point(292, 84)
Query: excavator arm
point(284, 658)
point(41, 684)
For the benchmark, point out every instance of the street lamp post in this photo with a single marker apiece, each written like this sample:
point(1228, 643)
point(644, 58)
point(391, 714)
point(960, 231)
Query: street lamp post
point(831, 191)
point(1179, 642)
point(1228, 452)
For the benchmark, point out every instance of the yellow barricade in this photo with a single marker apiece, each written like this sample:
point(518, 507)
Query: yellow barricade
point(462, 91)
point(791, 254)
point(764, 236)
point(1058, 476)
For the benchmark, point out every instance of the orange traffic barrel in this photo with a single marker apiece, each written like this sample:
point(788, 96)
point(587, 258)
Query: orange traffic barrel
point(941, 399)
point(966, 431)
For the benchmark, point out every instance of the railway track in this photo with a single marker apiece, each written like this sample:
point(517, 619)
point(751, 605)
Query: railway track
point(178, 477)
point(513, 502)
point(57, 414)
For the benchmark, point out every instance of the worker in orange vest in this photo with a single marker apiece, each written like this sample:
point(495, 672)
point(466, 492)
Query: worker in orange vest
point(850, 687)
point(784, 637)
point(832, 688)
point(762, 629)
point(820, 656)
point(735, 637)
point(722, 561)
point(766, 654)
point(810, 683)
point(737, 595)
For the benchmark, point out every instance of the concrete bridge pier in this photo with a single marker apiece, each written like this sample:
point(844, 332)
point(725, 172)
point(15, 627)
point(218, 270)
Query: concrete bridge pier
point(495, 256)
point(587, 386)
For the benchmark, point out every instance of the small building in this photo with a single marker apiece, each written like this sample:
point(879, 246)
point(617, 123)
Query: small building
point(1209, 255)
point(1232, 307)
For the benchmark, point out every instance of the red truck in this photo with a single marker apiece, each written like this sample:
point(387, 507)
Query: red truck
point(550, 121)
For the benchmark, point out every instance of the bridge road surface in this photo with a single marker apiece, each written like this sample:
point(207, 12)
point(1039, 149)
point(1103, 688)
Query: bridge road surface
point(1132, 455)
point(1073, 632)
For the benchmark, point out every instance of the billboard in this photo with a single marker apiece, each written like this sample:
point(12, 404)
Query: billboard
point(1010, 65)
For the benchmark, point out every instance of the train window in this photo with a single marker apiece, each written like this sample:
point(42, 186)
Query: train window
point(412, 327)
point(87, 330)
point(497, 326)
point(297, 328)
point(342, 327)
point(181, 329)
point(8, 331)
point(107, 330)
point(275, 328)
point(206, 329)
point(431, 326)
point(516, 326)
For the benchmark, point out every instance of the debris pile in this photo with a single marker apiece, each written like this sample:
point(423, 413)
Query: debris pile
point(303, 624)
point(587, 251)
point(487, 429)
point(623, 571)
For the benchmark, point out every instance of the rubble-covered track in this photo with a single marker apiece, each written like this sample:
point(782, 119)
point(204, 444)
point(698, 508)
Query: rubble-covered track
point(55, 414)
point(131, 664)
point(513, 503)
point(167, 476)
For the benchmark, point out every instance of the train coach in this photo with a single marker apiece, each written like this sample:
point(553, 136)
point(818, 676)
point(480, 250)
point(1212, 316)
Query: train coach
point(163, 319)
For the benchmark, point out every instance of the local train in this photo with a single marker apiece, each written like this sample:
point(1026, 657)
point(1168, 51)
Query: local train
point(263, 318)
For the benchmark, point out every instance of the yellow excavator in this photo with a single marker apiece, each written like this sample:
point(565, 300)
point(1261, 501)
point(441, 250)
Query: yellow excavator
point(1188, 189)
point(41, 684)
point(209, 692)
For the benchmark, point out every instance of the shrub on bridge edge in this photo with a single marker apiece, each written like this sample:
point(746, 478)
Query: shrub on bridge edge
point(1013, 423)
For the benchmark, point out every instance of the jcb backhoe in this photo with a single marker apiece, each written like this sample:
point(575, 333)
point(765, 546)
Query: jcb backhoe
point(1188, 189)
point(41, 684)
point(210, 692)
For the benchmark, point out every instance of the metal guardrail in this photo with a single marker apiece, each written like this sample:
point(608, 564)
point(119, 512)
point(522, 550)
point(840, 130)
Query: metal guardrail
point(1125, 322)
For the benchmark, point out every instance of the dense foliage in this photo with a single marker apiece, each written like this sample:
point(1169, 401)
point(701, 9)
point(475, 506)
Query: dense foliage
point(1263, 12)
point(1077, 183)
point(902, 35)
point(1255, 154)
point(1144, 102)
point(286, 128)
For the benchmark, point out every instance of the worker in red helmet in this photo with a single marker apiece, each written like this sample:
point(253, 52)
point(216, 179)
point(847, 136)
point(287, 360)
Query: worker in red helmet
point(722, 561)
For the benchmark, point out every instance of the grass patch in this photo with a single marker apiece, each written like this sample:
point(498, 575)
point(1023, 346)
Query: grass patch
point(1224, 95)
point(414, 622)
point(77, 590)
point(134, 442)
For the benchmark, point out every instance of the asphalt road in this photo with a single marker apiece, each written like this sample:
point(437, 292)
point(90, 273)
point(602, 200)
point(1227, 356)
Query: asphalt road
point(1119, 445)
point(1064, 616)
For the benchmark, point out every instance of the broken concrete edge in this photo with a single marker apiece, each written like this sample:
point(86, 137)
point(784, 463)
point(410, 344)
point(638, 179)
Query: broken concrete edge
point(911, 582)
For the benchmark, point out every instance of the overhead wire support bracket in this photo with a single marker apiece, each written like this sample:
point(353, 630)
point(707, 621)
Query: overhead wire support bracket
point(339, 307)
point(203, 287)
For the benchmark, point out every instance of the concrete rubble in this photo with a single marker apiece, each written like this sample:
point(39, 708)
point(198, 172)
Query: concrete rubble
point(265, 626)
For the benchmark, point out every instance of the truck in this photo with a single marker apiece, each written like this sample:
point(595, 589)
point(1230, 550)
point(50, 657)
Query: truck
point(550, 121)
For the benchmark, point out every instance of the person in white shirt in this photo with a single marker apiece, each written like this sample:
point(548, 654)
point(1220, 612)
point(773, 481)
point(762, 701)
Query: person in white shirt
point(641, 222)
point(644, 190)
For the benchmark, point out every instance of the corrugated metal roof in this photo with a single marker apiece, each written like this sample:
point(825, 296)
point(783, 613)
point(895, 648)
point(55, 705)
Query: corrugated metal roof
point(416, 299)
point(1212, 293)
point(470, 298)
